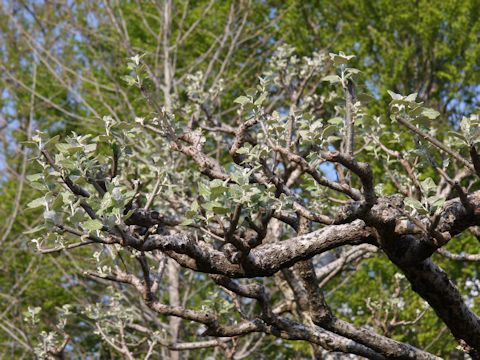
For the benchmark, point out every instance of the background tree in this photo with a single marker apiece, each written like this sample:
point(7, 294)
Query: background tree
point(428, 47)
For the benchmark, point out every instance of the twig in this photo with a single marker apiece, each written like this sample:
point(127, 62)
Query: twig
point(434, 142)
point(349, 90)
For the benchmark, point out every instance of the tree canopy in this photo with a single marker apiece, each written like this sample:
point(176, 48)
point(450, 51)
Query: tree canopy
point(239, 179)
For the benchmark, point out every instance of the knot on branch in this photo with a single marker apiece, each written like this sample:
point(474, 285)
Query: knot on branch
point(232, 253)
point(386, 211)
point(148, 218)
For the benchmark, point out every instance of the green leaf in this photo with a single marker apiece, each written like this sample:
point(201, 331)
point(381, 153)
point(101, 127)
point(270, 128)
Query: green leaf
point(51, 215)
point(216, 192)
point(332, 79)
point(34, 177)
point(365, 98)
point(353, 71)
point(340, 58)
point(130, 80)
point(30, 144)
point(411, 97)
point(127, 215)
point(428, 185)
point(203, 190)
point(193, 210)
point(62, 147)
point(332, 139)
point(251, 92)
point(194, 206)
point(90, 148)
point(242, 100)
point(413, 203)
point(244, 150)
point(436, 202)
point(67, 148)
point(36, 203)
point(261, 99)
point(107, 201)
point(39, 186)
point(416, 111)
point(34, 230)
point(394, 96)
point(57, 203)
point(457, 135)
point(217, 188)
point(51, 142)
point(220, 210)
point(92, 225)
point(328, 131)
point(187, 222)
point(336, 121)
point(430, 113)
point(316, 125)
